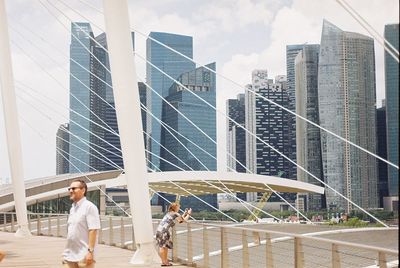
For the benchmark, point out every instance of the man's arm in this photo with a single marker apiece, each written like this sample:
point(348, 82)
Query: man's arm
point(92, 242)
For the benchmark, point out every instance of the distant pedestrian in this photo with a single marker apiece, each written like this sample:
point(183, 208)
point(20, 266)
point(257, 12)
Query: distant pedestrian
point(164, 235)
point(83, 223)
point(2, 255)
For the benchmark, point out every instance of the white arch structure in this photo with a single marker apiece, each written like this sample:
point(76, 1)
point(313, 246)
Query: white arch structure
point(43, 189)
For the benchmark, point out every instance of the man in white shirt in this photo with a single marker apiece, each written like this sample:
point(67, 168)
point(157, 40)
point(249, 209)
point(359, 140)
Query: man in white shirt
point(83, 223)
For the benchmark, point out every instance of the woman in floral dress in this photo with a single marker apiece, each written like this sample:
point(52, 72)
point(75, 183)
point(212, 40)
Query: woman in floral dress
point(164, 235)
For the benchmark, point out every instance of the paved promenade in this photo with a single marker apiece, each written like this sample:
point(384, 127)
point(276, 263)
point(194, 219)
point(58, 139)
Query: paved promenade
point(45, 252)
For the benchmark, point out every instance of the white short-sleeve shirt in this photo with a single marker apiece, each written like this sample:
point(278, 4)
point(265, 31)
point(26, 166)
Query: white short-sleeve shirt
point(84, 216)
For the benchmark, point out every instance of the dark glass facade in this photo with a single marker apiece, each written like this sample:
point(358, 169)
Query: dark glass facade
point(392, 107)
point(236, 136)
point(172, 64)
point(62, 152)
point(347, 107)
point(382, 152)
point(202, 83)
point(291, 53)
point(308, 144)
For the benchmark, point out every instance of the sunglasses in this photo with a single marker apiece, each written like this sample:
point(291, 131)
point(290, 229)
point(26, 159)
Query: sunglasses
point(73, 188)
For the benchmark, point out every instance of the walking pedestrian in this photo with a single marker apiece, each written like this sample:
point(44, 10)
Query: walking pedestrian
point(83, 223)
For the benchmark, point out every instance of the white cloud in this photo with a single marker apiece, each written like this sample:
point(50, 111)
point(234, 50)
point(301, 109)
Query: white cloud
point(221, 31)
point(299, 23)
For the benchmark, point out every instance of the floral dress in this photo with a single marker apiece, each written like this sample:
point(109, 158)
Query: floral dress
point(163, 234)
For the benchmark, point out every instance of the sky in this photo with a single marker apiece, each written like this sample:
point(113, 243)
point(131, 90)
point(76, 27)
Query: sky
point(239, 35)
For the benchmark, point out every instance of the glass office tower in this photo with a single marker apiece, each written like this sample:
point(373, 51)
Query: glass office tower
point(80, 100)
point(291, 53)
point(347, 103)
point(170, 63)
point(392, 115)
point(308, 144)
point(202, 83)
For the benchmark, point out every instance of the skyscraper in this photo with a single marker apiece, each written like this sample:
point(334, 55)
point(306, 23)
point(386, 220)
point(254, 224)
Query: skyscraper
point(172, 64)
point(308, 144)
point(62, 152)
point(346, 93)
point(269, 123)
point(202, 83)
point(392, 115)
point(382, 152)
point(236, 136)
point(79, 100)
point(109, 131)
point(291, 53)
point(95, 144)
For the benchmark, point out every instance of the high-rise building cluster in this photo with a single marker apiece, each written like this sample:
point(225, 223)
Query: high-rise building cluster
point(180, 129)
point(333, 85)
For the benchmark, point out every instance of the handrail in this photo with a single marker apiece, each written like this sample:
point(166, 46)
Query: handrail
point(331, 241)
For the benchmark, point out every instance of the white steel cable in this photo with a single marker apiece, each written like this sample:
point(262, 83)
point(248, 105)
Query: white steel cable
point(85, 129)
point(120, 169)
point(272, 102)
point(55, 79)
point(73, 76)
point(88, 143)
point(26, 122)
point(55, 102)
point(240, 200)
point(105, 66)
point(375, 34)
point(103, 100)
point(252, 134)
point(69, 155)
point(198, 197)
point(206, 67)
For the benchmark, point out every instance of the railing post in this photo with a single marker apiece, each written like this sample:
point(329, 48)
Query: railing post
point(335, 256)
point(189, 244)
point(111, 232)
point(175, 245)
point(122, 233)
point(382, 260)
point(298, 253)
point(206, 249)
point(49, 225)
point(268, 249)
point(12, 222)
point(58, 225)
point(29, 221)
point(4, 222)
point(38, 227)
point(245, 251)
point(224, 248)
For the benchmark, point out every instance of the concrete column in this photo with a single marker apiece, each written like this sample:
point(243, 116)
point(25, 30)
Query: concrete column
point(127, 104)
point(12, 127)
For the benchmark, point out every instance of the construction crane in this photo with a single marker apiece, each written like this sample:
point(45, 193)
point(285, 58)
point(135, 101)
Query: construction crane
point(261, 203)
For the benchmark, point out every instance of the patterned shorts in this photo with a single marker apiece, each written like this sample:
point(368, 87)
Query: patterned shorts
point(163, 239)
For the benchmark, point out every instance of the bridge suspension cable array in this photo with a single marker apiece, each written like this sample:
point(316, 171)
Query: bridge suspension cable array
point(239, 124)
point(159, 95)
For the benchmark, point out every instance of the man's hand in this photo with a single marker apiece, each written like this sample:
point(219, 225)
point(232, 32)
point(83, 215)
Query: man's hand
point(2, 255)
point(190, 211)
point(89, 258)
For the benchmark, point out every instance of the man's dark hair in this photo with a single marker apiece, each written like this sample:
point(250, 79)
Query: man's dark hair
point(83, 184)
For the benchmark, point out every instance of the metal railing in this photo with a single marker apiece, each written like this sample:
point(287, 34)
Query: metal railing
point(202, 244)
